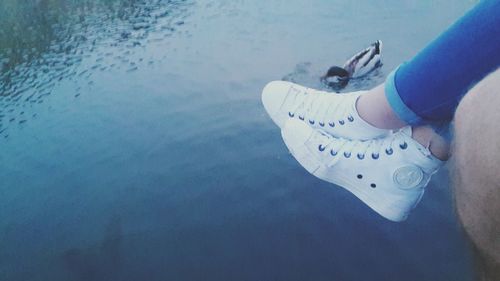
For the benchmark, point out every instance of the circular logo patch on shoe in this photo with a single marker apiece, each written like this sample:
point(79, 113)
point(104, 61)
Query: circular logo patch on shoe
point(408, 176)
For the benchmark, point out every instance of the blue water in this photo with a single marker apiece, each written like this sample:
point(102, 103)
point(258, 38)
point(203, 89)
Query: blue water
point(134, 145)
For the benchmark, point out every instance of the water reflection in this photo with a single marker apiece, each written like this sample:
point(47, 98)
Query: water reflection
point(174, 171)
point(103, 263)
point(44, 42)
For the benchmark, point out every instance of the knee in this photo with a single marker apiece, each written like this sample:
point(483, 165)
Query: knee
point(476, 153)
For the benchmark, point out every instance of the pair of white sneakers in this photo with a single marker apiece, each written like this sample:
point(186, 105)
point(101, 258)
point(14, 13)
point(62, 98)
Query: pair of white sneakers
point(386, 170)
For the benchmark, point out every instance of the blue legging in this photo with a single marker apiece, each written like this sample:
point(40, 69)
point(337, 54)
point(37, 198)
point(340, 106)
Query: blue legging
point(428, 88)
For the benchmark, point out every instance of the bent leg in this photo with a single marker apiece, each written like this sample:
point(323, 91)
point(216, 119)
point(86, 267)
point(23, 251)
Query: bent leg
point(427, 89)
point(477, 171)
point(432, 83)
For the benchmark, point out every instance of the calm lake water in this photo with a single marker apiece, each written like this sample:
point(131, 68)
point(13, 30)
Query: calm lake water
point(134, 146)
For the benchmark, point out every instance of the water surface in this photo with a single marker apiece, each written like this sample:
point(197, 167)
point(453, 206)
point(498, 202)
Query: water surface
point(134, 146)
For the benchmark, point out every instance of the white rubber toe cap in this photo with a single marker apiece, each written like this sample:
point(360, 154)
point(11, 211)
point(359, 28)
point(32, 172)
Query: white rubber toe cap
point(296, 133)
point(273, 97)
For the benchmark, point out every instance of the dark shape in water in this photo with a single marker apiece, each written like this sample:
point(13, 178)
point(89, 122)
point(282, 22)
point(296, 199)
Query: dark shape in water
point(358, 66)
point(336, 78)
point(100, 262)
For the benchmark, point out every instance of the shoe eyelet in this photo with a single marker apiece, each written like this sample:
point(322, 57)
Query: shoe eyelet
point(361, 156)
point(291, 114)
point(331, 124)
point(350, 118)
point(301, 118)
point(321, 147)
point(321, 124)
point(389, 151)
point(375, 156)
point(347, 154)
point(341, 122)
point(403, 145)
point(333, 152)
point(311, 122)
point(360, 176)
point(373, 185)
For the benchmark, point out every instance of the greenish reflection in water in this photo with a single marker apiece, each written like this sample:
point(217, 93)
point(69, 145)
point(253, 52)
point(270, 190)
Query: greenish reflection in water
point(44, 41)
point(159, 162)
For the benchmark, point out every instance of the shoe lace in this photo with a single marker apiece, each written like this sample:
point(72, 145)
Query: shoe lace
point(361, 149)
point(319, 107)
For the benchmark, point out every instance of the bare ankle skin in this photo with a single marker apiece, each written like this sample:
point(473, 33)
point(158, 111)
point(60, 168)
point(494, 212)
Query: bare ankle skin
point(374, 109)
point(436, 144)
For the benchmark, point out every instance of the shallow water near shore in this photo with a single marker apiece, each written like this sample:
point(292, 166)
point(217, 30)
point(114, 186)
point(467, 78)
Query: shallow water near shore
point(134, 146)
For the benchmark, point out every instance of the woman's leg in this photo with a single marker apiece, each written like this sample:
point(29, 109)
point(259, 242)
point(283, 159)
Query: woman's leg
point(476, 177)
point(424, 91)
point(374, 108)
point(428, 88)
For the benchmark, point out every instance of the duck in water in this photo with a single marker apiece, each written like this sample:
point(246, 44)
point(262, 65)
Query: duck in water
point(357, 66)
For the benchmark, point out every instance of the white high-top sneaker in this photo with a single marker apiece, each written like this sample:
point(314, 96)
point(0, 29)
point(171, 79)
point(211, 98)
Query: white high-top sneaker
point(335, 114)
point(388, 174)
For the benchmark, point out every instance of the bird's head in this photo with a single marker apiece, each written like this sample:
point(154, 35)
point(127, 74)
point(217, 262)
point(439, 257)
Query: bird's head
point(336, 78)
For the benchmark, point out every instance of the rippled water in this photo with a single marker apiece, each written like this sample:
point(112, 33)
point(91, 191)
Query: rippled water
point(134, 145)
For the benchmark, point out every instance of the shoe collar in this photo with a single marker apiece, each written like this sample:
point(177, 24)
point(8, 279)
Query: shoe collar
point(418, 148)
